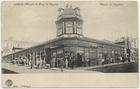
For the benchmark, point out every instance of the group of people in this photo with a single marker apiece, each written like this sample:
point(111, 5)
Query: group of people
point(39, 64)
point(113, 60)
point(68, 61)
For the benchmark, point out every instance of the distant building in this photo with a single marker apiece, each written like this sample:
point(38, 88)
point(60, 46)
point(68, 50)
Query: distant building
point(10, 46)
point(70, 44)
point(131, 47)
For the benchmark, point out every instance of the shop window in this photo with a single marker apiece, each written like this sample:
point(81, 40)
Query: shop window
point(59, 53)
point(93, 53)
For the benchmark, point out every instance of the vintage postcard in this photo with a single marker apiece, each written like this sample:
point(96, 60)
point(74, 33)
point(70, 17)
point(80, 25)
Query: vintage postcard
point(69, 44)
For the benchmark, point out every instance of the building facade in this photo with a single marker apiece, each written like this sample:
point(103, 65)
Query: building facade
point(70, 44)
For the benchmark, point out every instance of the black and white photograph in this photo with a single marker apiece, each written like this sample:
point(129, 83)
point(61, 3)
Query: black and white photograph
point(69, 37)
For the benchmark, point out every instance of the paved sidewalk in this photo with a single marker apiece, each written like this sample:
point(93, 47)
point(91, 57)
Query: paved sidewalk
point(26, 69)
point(97, 66)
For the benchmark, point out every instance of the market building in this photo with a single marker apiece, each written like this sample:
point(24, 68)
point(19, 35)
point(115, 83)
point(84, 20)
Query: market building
point(70, 44)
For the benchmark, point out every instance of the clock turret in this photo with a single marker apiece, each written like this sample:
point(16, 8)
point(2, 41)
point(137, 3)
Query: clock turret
point(69, 22)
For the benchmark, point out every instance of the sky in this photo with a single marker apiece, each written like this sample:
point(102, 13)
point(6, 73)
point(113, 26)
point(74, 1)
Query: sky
point(35, 21)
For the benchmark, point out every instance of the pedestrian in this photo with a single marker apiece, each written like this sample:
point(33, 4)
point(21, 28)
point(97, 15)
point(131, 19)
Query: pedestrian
point(111, 61)
point(72, 64)
point(41, 64)
point(61, 64)
point(38, 63)
point(103, 61)
point(31, 64)
point(66, 63)
point(87, 62)
point(121, 59)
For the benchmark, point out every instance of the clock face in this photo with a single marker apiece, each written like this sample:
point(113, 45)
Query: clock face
point(69, 24)
point(69, 27)
point(59, 29)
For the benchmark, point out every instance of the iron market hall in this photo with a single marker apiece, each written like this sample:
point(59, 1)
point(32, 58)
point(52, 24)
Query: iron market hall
point(70, 44)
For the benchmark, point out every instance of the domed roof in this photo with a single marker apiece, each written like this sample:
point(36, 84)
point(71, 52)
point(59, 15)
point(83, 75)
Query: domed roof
point(69, 12)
